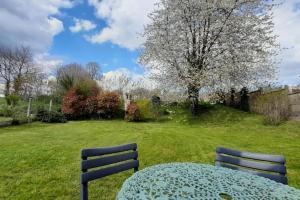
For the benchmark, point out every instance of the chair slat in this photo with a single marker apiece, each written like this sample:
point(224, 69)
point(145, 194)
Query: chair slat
point(252, 164)
point(255, 156)
point(88, 164)
point(92, 175)
point(275, 177)
point(107, 150)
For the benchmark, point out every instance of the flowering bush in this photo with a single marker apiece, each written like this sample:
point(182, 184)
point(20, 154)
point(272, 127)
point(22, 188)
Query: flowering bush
point(133, 113)
point(108, 104)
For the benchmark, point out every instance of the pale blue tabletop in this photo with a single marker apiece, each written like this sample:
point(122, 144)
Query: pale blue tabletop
point(183, 181)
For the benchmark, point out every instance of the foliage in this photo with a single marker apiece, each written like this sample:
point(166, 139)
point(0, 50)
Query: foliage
point(273, 105)
point(81, 100)
point(55, 117)
point(12, 100)
point(86, 101)
point(133, 113)
point(41, 113)
point(41, 103)
point(86, 88)
point(150, 111)
point(6, 111)
point(108, 104)
point(44, 115)
point(70, 74)
point(20, 117)
point(145, 108)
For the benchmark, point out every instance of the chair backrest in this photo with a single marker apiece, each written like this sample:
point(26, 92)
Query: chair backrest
point(119, 160)
point(268, 166)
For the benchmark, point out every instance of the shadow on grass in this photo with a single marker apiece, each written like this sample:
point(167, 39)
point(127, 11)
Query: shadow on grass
point(215, 114)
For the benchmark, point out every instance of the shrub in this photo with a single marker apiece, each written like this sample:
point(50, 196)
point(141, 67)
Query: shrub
point(20, 118)
point(12, 100)
point(55, 117)
point(41, 113)
point(273, 105)
point(50, 117)
point(108, 104)
point(81, 101)
point(145, 108)
point(150, 110)
point(86, 88)
point(86, 101)
point(133, 113)
point(6, 111)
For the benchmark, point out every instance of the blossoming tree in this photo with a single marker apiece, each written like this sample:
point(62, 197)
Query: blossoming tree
point(196, 44)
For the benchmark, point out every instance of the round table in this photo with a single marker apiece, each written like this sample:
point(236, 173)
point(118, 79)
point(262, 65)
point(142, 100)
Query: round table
point(198, 181)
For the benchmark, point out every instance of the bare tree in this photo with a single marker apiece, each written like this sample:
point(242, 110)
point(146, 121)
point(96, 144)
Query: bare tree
point(6, 70)
point(23, 68)
point(15, 65)
point(94, 70)
point(116, 82)
point(69, 74)
point(33, 83)
point(190, 43)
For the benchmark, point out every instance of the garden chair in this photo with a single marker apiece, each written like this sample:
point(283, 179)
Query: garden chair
point(268, 166)
point(128, 161)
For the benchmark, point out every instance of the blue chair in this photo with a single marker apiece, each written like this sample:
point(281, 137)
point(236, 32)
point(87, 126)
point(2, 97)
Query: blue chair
point(268, 166)
point(128, 161)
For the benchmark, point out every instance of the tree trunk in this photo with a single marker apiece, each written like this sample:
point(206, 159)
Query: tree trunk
point(17, 84)
point(7, 92)
point(7, 88)
point(193, 93)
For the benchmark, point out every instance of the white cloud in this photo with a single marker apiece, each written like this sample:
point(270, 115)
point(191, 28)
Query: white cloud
point(287, 27)
point(47, 63)
point(112, 80)
point(31, 23)
point(125, 20)
point(82, 25)
point(56, 26)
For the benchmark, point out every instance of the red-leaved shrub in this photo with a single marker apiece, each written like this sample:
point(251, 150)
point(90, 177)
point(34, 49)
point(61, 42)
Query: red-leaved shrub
point(133, 113)
point(108, 104)
point(81, 101)
point(86, 101)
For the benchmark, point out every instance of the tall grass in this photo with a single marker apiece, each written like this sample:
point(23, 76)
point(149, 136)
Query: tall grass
point(273, 105)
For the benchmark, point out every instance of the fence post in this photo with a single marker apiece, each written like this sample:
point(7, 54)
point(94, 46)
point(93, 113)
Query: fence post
point(29, 110)
point(50, 105)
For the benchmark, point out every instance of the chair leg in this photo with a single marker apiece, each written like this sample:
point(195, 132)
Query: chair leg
point(84, 191)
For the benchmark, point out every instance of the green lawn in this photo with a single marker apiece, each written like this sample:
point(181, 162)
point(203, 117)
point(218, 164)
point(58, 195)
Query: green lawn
point(41, 161)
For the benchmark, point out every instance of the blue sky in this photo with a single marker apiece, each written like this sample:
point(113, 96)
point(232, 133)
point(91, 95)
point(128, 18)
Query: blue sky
point(106, 31)
point(73, 47)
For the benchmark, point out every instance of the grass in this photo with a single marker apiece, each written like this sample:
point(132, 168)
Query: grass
point(41, 161)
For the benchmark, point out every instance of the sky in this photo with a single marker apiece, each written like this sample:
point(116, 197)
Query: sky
point(108, 32)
